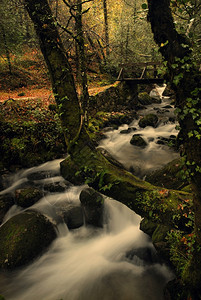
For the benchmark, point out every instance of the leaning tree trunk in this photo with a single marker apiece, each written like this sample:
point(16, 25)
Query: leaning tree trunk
point(185, 79)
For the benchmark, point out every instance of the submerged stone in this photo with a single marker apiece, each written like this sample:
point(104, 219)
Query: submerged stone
point(23, 238)
point(93, 205)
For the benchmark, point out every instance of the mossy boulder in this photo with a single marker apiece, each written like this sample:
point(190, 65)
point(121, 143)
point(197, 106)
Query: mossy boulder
point(144, 98)
point(148, 120)
point(23, 238)
point(93, 205)
point(138, 141)
point(28, 196)
point(6, 201)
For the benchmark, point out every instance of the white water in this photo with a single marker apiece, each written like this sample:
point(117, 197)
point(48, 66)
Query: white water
point(90, 263)
point(154, 155)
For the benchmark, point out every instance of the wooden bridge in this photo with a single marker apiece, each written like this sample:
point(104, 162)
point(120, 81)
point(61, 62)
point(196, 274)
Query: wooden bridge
point(127, 72)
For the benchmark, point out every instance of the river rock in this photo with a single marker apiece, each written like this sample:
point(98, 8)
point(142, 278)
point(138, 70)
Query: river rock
point(125, 131)
point(148, 120)
point(73, 216)
point(144, 98)
point(23, 238)
point(93, 206)
point(138, 141)
point(57, 187)
point(40, 175)
point(28, 196)
point(6, 201)
point(146, 255)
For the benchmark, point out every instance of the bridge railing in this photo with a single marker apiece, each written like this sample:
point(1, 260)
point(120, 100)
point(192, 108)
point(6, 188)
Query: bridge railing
point(138, 71)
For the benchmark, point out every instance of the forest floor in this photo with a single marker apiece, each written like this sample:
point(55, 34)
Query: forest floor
point(29, 80)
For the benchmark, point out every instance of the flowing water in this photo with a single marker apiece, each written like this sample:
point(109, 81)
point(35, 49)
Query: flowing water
point(116, 262)
point(142, 161)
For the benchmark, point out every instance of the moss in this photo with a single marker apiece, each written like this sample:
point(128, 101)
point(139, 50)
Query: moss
point(170, 176)
point(148, 120)
point(28, 196)
point(144, 98)
point(24, 237)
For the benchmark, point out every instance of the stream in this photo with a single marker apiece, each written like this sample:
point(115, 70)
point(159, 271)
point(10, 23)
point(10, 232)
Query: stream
point(116, 262)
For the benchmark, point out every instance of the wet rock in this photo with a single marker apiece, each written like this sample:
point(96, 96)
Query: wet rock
point(6, 201)
point(171, 141)
point(129, 130)
point(146, 255)
point(93, 206)
point(40, 175)
point(57, 187)
point(167, 106)
point(23, 238)
point(144, 98)
point(28, 196)
point(73, 216)
point(125, 131)
point(148, 120)
point(138, 141)
point(172, 119)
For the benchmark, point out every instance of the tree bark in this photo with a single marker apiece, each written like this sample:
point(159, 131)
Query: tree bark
point(106, 27)
point(59, 68)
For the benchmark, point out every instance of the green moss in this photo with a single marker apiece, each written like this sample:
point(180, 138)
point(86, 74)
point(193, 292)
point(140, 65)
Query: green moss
point(144, 98)
point(24, 237)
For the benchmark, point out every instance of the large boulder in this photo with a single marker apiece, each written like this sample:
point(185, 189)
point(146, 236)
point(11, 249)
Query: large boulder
point(28, 196)
point(93, 205)
point(148, 120)
point(23, 238)
point(6, 201)
point(138, 141)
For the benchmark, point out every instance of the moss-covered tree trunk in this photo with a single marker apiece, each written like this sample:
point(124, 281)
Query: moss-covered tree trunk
point(185, 79)
point(59, 69)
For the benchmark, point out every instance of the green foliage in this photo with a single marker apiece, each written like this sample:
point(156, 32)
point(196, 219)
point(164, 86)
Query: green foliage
point(29, 135)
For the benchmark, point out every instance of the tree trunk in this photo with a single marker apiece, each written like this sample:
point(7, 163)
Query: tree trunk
point(185, 79)
point(82, 58)
point(106, 27)
point(6, 48)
